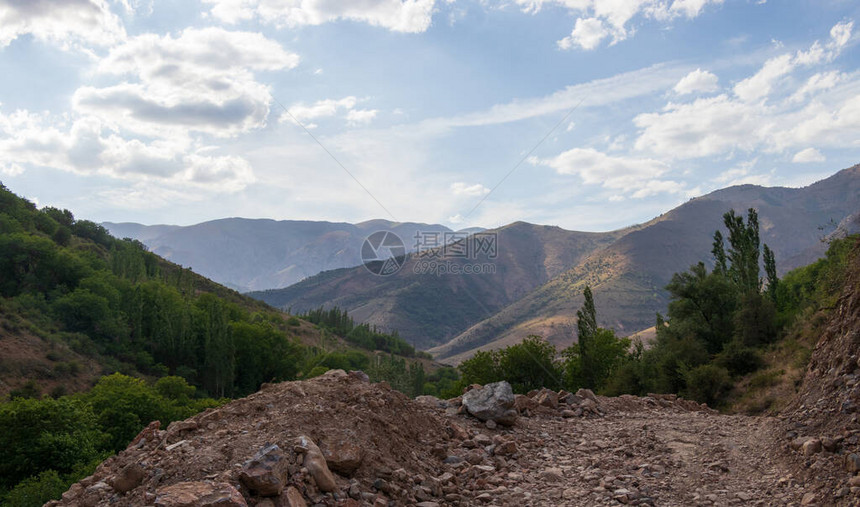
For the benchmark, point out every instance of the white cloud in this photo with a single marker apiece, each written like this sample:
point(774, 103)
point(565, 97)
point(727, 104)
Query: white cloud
point(817, 82)
point(761, 84)
point(328, 108)
point(654, 187)
point(201, 81)
point(599, 19)
point(615, 172)
point(587, 34)
point(62, 22)
point(361, 116)
point(88, 148)
point(727, 125)
point(319, 109)
point(705, 127)
point(808, 155)
point(697, 81)
point(591, 94)
point(411, 16)
point(476, 190)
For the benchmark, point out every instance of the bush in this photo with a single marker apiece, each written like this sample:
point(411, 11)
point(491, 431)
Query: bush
point(707, 384)
point(294, 321)
point(739, 360)
point(37, 490)
point(46, 434)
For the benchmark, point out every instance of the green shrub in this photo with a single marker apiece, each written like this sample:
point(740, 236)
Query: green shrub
point(739, 360)
point(707, 383)
point(37, 490)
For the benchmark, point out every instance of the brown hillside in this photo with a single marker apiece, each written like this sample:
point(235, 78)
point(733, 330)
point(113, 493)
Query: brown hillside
point(628, 276)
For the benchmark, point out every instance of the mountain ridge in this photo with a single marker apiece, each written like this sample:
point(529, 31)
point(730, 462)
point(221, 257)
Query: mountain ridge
point(259, 253)
point(627, 270)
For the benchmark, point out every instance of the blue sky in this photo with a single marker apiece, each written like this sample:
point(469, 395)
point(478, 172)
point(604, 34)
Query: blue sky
point(615, 110)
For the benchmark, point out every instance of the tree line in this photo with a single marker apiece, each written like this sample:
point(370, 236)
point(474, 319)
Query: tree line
point(720, 322)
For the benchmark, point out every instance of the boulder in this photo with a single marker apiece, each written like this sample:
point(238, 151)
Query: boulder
point(315, 463)
point(199, 494)
point(266, 473)
point(492, 402)
point(360, 376)
point(343, 455)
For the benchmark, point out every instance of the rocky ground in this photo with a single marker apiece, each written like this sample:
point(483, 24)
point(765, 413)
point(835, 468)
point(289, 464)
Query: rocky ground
point(340, 440)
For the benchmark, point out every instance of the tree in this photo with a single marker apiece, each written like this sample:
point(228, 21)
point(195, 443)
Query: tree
point(530, 364)
point(719, 252)
point(770, 271)
point(743, 255)
point(586, 326)
point(125, 405)
point(46, 434)
point(702, 305)
point(482, 368)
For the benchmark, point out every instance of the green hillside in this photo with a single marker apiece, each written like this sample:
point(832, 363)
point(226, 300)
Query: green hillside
point(78, 303)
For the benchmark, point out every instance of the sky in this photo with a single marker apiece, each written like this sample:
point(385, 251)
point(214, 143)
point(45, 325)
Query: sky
point(586, 114)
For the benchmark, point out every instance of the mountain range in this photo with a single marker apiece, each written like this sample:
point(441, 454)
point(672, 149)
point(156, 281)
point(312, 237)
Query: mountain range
point(540, 271)
point(259, 254)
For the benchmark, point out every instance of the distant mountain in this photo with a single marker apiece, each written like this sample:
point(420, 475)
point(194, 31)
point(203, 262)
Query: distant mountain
point(429, 309)
point(628, 277)
point(540, 271)
point(258, 254)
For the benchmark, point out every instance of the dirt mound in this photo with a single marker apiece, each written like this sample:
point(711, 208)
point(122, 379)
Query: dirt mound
point(339, 440)
point(366, 432)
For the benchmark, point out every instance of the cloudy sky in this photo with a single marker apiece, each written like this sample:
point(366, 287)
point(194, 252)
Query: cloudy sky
point(587, 114)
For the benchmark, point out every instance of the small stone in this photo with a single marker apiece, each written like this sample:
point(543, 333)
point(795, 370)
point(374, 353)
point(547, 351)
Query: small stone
point(199, 494)
point(508, 448)
point(808, 499)
point(130, 477)
point(852, 463)
point(292, 498)
point(830, 444)
point(811, 446)
point(552, 475)
point(547, 398)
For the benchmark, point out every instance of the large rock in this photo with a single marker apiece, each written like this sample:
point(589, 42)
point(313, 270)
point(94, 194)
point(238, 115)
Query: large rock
point(342, 455)
point(493, 402)
point(315, 463)
point(266, 473)
point(199, 494)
